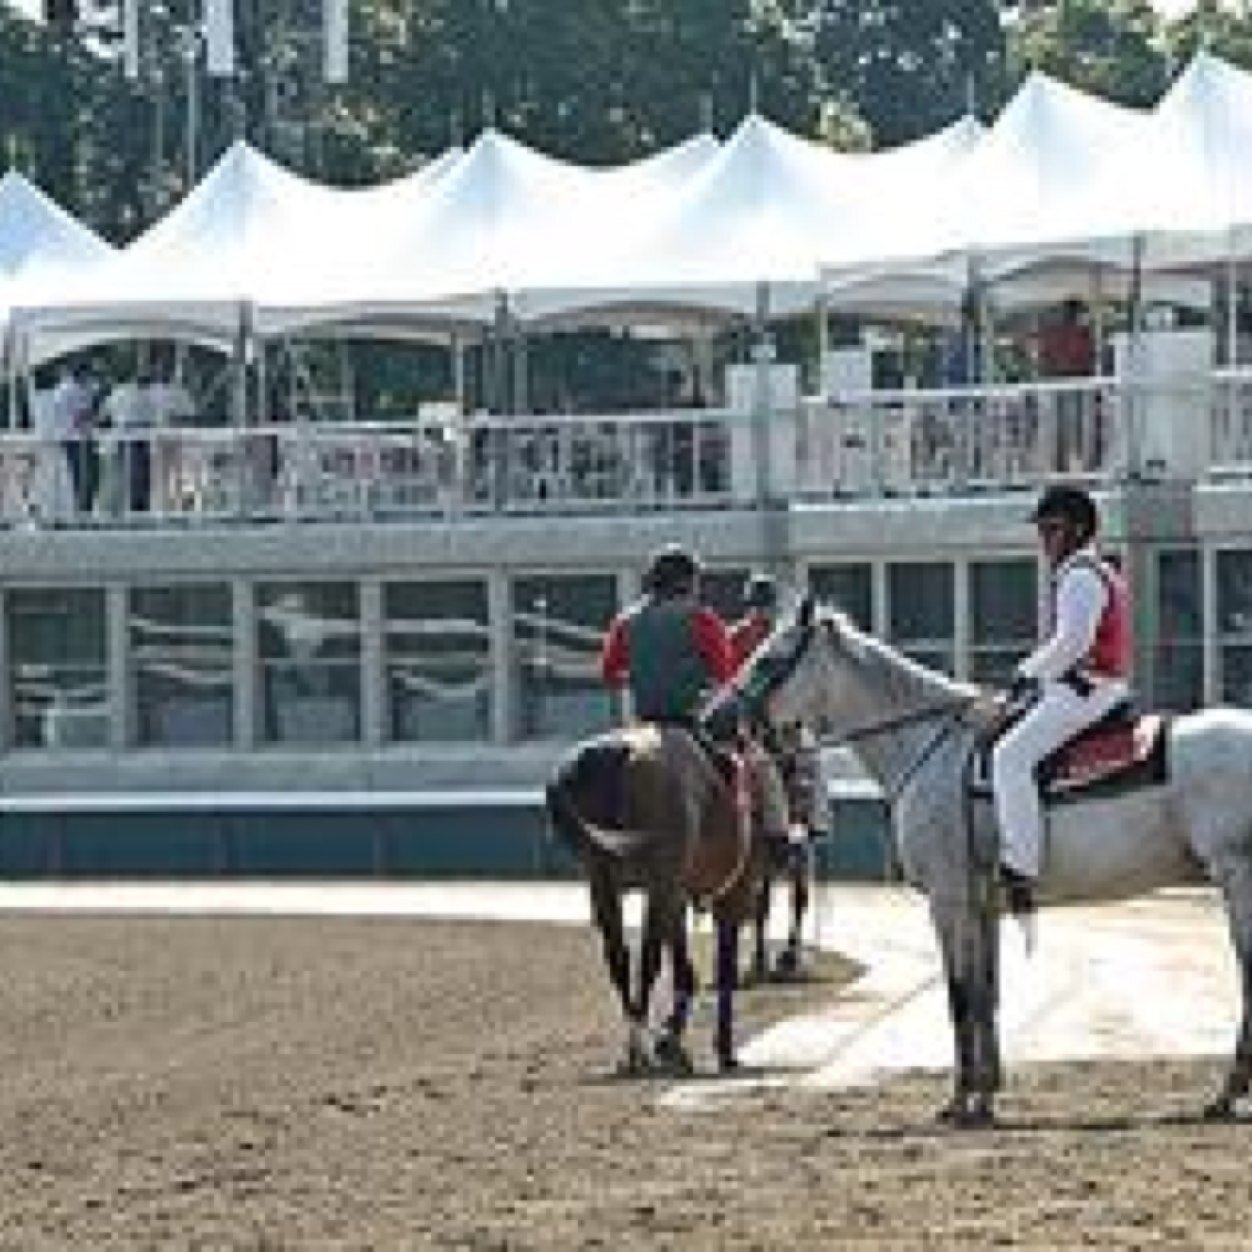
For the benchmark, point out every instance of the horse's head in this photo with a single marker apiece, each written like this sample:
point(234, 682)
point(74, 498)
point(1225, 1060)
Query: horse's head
point(780, 685)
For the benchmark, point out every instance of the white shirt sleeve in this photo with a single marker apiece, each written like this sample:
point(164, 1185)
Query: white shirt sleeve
point(1080, 600)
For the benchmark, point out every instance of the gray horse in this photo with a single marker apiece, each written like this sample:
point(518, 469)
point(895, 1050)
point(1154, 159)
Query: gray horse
point(916, 732)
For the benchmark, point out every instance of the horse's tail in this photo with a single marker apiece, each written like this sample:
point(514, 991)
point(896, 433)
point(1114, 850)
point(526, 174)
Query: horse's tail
point(585, 802)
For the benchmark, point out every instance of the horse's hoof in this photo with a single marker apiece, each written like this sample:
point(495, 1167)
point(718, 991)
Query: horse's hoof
point(1220, 1110)
point(727, 1062)
point(787, 967)
point(670, 1055)
point(962, 1116)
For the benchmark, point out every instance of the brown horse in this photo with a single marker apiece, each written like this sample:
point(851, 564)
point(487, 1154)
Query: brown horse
point(649, 808)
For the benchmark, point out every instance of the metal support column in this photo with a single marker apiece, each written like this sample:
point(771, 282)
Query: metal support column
point(246, 665)
point(117, 668)
point(373, 667)
point(503, 682)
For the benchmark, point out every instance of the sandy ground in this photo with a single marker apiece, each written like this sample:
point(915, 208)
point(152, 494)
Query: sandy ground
point(239, 1082)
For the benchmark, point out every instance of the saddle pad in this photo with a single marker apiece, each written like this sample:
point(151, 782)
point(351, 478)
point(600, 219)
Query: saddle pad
point(1108, 758)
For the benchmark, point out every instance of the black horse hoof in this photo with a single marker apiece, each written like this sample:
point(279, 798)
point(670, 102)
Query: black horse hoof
point(787, 967)
point(670, 1055)
point(962, 1116)
point(1221, 1109)
point(727, 1062)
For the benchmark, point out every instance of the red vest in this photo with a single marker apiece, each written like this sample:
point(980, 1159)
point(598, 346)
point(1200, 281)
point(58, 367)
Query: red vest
point(1112, 650)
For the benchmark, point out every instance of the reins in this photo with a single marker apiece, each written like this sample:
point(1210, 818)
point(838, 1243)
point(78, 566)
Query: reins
point(949, 710)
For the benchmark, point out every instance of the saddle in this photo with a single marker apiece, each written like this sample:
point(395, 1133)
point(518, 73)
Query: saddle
point(1123, 751)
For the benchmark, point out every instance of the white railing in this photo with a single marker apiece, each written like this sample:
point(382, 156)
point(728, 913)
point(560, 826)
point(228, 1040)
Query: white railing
point(900, 442)
point(852, 445)
point(1231, 444)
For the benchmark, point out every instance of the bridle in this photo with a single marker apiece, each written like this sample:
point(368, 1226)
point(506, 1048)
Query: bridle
point(770, 673)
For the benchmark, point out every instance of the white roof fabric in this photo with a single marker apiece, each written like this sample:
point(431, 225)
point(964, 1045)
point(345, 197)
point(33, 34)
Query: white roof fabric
point(1040, 173)
point(505, 225)
point(249, 231)
point(39, 240)
point(1196, 188)
point(758, 212)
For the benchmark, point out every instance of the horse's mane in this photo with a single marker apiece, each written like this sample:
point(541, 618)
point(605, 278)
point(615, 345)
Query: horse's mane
point(900, 677)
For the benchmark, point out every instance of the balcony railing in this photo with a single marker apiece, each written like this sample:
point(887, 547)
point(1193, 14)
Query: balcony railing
point(864, 445)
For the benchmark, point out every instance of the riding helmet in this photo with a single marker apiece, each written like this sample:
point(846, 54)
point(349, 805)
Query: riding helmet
point(761, 592)
point(671, 571)
point(1063, 502)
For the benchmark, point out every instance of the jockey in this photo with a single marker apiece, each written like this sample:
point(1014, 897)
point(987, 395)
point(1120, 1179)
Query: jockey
point(1078, 675)
point(760, 599)
point(669, 650)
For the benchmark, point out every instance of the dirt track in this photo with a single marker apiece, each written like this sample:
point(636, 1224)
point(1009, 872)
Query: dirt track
point(248, 1083)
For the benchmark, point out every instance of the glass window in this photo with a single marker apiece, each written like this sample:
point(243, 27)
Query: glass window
point(848, 587)
point(181, 643)
point(437, 653)
point(921, 611)
point(558, 627)
point(58, 672)
point(1003, 604)
point(1234, 625)
point(309, 650)
point(1178, 667)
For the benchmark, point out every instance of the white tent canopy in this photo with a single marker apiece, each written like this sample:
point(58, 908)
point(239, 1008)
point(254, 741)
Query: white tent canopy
point(1068, 194)
point(248, 232)
point(753, 216)
point(1064, 195)
point(505, 223)
point(1040, 173)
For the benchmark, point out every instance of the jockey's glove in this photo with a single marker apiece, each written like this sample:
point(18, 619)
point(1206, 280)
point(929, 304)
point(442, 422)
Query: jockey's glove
point(1023, 689)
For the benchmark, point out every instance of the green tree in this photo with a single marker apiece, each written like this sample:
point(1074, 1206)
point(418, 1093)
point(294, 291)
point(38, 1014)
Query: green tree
point(909, 66)
point(1113, 48)
point(1223, 29)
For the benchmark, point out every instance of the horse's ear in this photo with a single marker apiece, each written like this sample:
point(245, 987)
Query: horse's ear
point(808, 610)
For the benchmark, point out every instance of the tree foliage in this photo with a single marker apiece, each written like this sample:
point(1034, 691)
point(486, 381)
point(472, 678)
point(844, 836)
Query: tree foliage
point(1114, 48)
point(910, 66)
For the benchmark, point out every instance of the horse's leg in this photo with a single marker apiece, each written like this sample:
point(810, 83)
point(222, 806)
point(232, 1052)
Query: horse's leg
point(987, 1075)
point(958, 929)
point(606, 906)
point(760, 924)
point(658, 930)
point(727, 976)
point(1237, 889)
point(669, 1046)
point(798, 873)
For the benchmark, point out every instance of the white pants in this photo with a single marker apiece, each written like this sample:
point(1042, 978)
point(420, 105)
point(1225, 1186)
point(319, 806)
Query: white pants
point(1058, 716)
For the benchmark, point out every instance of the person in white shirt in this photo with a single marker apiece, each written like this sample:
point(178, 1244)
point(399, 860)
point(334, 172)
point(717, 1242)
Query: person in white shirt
point(1078, 675)
point(170, 404)
point(129, 410)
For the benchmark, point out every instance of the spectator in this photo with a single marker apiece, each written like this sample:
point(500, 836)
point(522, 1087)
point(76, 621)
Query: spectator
point(1067, 350)
point(1067, 346)
point(171, 405)
point(73, 404)
point(129, 409)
